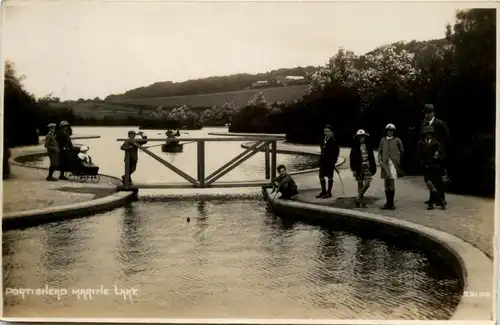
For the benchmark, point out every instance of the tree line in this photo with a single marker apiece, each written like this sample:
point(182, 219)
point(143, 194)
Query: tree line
point(391, 84)
point(209, 85)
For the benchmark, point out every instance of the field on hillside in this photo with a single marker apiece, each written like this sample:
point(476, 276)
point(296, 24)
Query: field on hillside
point(286, 94)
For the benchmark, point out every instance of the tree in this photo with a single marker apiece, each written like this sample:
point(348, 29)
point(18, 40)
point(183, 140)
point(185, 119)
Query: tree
point(20, 114)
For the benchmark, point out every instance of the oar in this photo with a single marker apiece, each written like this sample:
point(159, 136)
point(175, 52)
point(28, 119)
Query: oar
point(162, 133)
point(157, 145)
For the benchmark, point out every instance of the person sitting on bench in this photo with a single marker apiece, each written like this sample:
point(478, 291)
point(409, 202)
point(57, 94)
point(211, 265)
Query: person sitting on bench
point(284, 184)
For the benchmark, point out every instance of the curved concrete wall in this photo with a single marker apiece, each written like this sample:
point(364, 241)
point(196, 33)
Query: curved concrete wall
point(31, 218)
point(473, 267)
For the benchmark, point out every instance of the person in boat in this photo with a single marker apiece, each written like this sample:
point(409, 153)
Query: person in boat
point(131, 152)
point(283, 184)
point(171, 135)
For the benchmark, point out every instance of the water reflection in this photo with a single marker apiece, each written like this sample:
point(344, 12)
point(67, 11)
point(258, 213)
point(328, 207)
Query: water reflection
point(201, 251)
point(234, 259)
point(132, 253)
point(62, 241)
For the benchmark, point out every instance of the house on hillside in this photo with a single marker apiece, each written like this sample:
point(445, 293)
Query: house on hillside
point(294, 78)
point(260, 84)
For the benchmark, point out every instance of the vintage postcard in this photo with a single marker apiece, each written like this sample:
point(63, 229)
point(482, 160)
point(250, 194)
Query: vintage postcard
point(259, 162)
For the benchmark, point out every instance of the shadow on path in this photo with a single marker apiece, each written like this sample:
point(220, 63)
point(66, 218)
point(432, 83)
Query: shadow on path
point(97, 192)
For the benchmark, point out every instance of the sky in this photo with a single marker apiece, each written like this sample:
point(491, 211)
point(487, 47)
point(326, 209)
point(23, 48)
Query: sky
point(93, 49)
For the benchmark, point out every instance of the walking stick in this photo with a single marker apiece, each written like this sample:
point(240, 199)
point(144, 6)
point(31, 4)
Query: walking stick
point(341, 181)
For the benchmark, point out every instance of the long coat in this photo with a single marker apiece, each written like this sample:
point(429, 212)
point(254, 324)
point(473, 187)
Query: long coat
point(441, 132)
point(355, 158)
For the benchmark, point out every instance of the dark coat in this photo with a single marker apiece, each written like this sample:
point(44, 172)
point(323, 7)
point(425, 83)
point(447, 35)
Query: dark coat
point(355, 159)
point(286, 181)
point(63, 138)
point(329, 152)
point(131, 150)
point(425, 153)
point(441, 132)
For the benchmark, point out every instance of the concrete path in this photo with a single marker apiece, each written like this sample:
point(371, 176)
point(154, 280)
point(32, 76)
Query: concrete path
point(27, 188)
point(467, 217)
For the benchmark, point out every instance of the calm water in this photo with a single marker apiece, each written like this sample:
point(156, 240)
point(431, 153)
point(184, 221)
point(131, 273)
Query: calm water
point(106, 153)
point(233, 259)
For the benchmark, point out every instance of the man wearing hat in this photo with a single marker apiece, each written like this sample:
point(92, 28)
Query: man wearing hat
point(52, 150)
point(131, 152)
point(390, 151)
point(63, 136)
point(362, 163)
point(441, 133)
point(430, 156)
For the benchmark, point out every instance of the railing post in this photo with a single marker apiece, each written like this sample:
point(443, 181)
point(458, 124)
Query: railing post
point(267, 159)
point(126, 181)
point(273, 159)
point(201, 162)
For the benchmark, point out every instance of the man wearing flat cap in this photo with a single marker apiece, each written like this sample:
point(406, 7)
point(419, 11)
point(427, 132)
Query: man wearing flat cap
point(441, 134)
point(52, 150)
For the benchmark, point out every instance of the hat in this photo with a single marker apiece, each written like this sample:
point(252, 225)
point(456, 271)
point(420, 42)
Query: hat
point(329, 127)
point(428, 108)
point(132, 132)
point(361, 132)
point(63, 123)
point(428, 129)
point(51, 125)
point(390, 126)
point(84, 148)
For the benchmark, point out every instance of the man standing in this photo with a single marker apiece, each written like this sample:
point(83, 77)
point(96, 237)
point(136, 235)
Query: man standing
point(441, 134)
point(430, 157)
point(131, 152)
point(330, 151)
point(441, 131)
point(63, 138)
point(52, 150)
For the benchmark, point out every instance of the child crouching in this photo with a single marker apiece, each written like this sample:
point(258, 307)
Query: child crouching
point(284, 184)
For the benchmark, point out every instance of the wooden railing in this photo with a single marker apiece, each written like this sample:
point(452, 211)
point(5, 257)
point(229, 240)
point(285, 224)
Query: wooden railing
point(266, 144)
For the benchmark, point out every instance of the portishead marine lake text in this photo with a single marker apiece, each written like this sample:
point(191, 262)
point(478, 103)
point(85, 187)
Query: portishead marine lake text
point(79, 293)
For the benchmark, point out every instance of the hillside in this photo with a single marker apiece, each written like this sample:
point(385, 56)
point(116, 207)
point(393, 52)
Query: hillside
point(211, 85)
point(286, 94)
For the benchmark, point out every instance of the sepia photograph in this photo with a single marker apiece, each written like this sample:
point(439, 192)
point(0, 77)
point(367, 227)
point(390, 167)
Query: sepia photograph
point(259, 161)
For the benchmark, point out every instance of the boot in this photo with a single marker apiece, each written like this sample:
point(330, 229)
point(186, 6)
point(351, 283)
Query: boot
point(442, 201)
point(50, 177)
point(329, 190)
point(391, 200)
point(387, 204)
point(432, 200)
point(323, 189)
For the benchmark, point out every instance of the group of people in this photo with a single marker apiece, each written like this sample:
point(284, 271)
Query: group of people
point(59, 148)
point(431, 153)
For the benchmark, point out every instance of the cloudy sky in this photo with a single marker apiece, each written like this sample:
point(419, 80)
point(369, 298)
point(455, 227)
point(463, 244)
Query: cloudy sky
point(94, 49)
